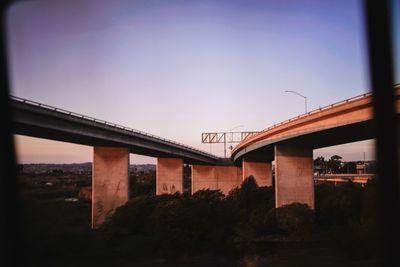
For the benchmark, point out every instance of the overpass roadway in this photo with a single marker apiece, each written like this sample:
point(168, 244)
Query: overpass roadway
point(343, 122)
point(43, 121)
point(291, 143)
point(112, 144)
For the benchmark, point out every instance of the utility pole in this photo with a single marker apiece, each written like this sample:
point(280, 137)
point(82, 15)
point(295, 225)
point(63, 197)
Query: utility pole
point(364, 164)
point(224, 145)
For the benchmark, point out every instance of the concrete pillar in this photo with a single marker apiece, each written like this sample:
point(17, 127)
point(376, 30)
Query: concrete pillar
point(228, 178)
point(169, 176)
point(293, 175)
point(110, 182)
point(261, 171)
point(224, 178)
point(203, 177)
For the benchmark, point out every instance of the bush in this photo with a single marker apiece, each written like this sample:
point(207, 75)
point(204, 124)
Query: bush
point(142, 184)
point(338, 204)
point(252, 204)
point(294, 219)
point(357, 240)
point(174, 225)
point(199, 223)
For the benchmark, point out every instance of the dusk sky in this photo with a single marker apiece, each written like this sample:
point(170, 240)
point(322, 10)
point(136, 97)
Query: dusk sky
point(180, 68)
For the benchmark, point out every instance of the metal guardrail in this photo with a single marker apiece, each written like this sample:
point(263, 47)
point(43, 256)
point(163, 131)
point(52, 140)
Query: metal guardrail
point(352, 99)
point(129, 130)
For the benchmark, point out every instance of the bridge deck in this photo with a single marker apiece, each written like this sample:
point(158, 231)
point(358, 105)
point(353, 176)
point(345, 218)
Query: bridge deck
point(39, 120)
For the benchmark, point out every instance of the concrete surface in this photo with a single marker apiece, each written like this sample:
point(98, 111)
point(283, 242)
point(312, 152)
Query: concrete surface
point(344, 122)
point(261, 171)
point(224, 178)
point(293, 175)
point(169, 176)
point(110, 184)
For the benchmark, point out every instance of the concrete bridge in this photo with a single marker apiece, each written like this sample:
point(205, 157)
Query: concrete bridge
point(289, 143)
point(112, 144)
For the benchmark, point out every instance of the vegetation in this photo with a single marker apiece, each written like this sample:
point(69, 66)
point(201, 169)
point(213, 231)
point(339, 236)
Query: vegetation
point(335, 165)
point(243, 227)
point(142, 183)
point(242, 222)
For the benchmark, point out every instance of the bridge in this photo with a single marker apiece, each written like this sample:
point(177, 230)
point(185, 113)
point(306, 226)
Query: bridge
point(290, 144)
point(112, 144)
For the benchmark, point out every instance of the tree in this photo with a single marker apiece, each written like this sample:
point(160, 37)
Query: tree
point(319, 164)
point(349, 167)
point(334, 163)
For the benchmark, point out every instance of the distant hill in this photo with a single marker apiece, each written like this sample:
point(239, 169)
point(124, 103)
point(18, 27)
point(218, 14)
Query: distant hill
point(76, 167)
point(142, 167)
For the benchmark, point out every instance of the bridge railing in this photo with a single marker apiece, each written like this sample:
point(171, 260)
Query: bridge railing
point(352, 99)
point(89, 118)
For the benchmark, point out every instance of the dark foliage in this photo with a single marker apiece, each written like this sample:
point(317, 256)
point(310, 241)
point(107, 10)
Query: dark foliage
point(348, 214)
point(295, 219)
point(207, 223)
point(142, 184)
point(338, 204)
point(187, 179)
point(204, 222)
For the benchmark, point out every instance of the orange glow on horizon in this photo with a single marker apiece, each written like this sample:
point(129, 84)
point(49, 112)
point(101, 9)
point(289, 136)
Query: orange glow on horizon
point(37, 150)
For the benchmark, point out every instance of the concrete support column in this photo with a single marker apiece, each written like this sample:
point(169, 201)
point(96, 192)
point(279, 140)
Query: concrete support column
point(293, 175)
point(110, 182)
point(169, 176)
point(204, 177)
point(261, 171)
point(224, 178)
point(228, 178)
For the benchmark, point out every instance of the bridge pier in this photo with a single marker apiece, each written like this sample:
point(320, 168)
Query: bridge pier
point(261, 171)
point(293, 175)
point(224, 178)
point(110, 182)
point(169, 176)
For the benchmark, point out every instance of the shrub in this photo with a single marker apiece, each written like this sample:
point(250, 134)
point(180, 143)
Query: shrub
point(357, 240)
point(174, 225)
point(294, 219)
point(142, 184)
point(370, 200)
point(250, 196)
point(252, 204)
point(133, 217)
point(338, 204)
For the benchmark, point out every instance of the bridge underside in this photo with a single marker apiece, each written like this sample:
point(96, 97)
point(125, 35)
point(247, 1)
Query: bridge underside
point(294, 157)
point(60, 127)
point(318, 139)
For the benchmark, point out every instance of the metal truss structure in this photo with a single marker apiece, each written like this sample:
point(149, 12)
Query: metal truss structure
point(225, 137)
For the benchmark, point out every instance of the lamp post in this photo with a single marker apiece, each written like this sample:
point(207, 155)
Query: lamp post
point(296, 93)
point(230, 131)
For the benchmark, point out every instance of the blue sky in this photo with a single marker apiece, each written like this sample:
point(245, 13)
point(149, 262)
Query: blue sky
point(180, 68)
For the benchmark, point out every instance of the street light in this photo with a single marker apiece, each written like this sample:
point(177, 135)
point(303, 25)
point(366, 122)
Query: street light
point(296, 93)
point(230, 132)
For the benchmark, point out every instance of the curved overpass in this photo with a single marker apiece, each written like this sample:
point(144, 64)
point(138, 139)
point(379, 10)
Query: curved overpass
point(343, 122)
point(291, 143)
